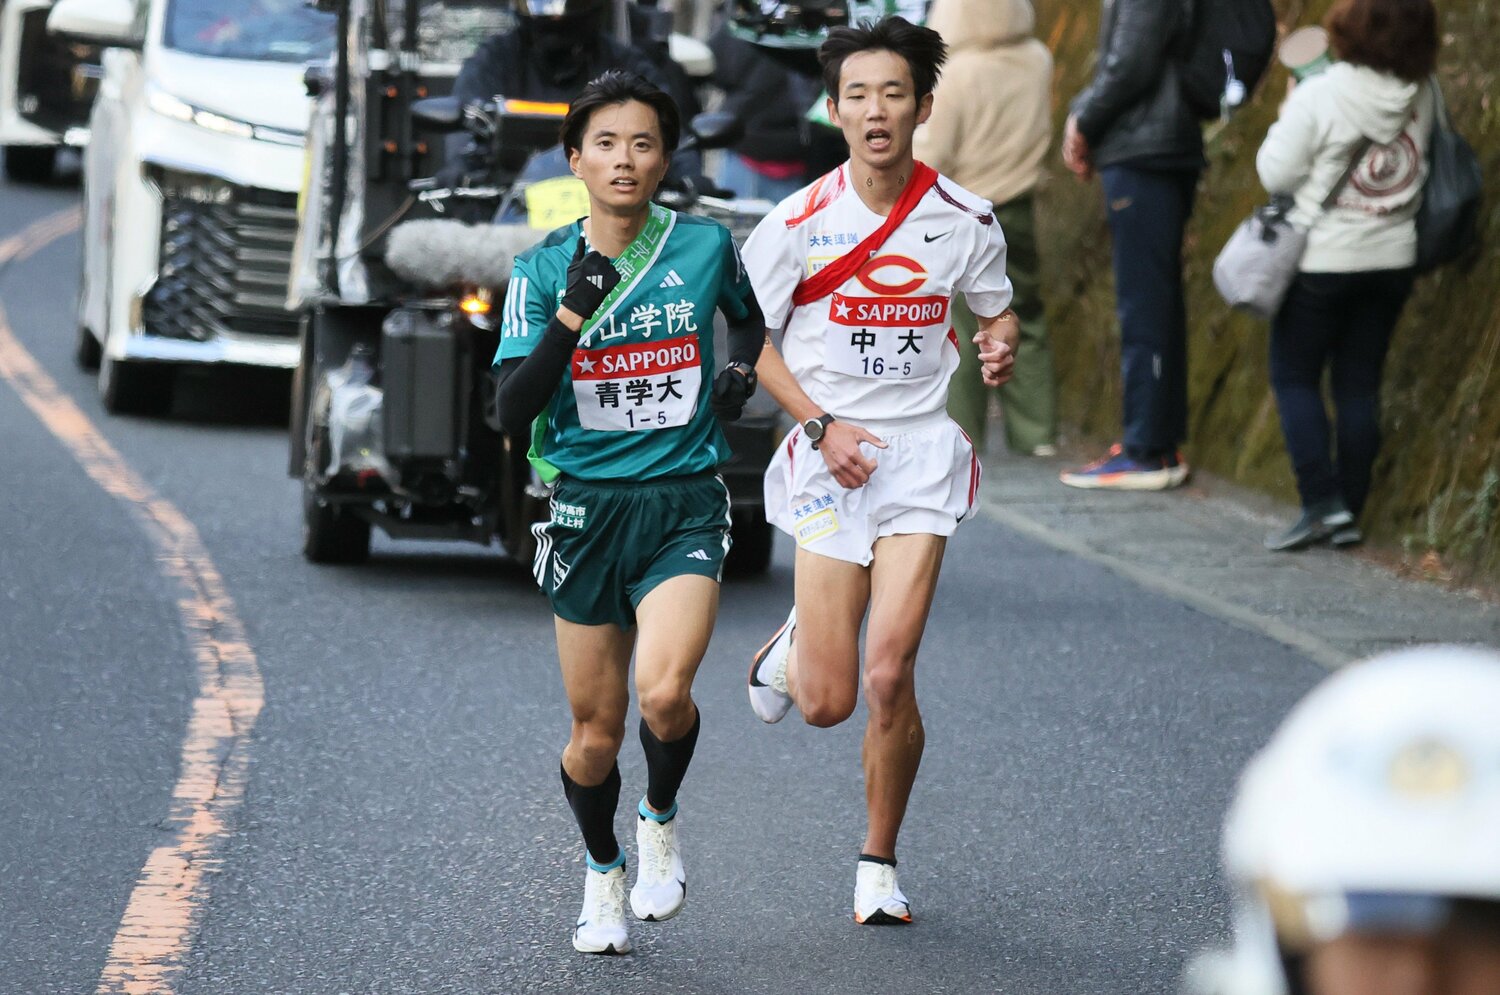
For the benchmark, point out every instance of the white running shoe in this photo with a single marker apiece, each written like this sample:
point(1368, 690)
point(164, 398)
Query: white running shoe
point(660, 882)
point(601, 924)
point(769, 698)
point(878, 900)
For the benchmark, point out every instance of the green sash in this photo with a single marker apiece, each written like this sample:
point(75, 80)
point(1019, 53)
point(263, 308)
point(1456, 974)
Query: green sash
point(634, 263)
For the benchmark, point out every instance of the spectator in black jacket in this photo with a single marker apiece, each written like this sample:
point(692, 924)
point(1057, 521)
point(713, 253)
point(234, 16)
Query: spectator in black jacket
point(1134, 126)
point(781, 150)
point(555, 49)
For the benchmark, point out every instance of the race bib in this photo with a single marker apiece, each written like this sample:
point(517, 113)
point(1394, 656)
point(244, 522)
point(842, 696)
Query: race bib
point(886, 338)
point(640, 387)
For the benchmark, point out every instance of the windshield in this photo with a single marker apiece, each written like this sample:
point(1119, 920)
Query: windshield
point(261, 30)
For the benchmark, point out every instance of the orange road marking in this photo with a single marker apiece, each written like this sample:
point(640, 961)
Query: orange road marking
point(40, 234)
point(166, 903)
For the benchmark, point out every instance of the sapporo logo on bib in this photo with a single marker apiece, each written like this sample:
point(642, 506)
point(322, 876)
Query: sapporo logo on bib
point(638, 387)
point(890, 336)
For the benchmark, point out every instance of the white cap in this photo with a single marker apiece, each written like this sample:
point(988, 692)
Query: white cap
point(1385, 778)
point(1377, 796)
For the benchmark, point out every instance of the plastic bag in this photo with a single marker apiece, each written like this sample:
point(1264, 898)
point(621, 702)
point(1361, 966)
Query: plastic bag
point(355, 443)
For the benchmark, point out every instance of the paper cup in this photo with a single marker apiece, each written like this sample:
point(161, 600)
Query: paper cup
point(1305, 52)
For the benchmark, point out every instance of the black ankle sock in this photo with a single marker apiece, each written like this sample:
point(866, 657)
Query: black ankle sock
point(667, 764)
point(887, 861)
point(594, 808)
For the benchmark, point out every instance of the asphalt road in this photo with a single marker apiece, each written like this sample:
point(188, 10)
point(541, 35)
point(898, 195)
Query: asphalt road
point(403, 829)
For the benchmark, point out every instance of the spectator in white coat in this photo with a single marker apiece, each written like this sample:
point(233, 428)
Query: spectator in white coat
point(1358, 268)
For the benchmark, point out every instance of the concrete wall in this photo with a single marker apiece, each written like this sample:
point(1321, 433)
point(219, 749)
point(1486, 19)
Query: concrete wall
point(1437, 487)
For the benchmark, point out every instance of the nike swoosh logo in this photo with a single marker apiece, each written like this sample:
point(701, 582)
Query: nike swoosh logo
point(934, 238)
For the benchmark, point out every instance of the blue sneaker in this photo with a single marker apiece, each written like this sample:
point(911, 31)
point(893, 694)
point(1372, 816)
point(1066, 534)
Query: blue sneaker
point(1119, 472)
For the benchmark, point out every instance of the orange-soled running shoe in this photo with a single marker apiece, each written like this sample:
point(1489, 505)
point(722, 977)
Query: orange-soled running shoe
point(769, 698)
point(1120, 472)
point(878, 900)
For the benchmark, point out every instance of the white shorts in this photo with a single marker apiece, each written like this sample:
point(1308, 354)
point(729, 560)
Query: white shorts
point(926, 482)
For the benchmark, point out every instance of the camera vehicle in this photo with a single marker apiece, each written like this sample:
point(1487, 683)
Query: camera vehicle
point(190, 186)
point(46, 86)
point(400, 283)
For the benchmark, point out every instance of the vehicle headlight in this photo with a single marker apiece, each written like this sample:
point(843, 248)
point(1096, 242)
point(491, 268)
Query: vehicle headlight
point(177, 109)
point(178, 187)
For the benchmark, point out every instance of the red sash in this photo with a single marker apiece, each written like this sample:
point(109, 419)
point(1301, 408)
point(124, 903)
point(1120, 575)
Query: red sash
point(840, 271)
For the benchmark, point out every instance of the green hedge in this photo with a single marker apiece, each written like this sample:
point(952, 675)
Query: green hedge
point(1437, 487)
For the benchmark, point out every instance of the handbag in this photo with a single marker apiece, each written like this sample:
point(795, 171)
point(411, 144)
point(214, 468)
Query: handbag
point(1448, 220)
point(1256, 267)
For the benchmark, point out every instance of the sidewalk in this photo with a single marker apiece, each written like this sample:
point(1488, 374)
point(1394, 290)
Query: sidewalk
point(1201, 545)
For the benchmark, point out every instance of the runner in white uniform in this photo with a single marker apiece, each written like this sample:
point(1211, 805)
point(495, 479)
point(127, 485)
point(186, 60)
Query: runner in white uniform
point(877, 353)
point(876, 476)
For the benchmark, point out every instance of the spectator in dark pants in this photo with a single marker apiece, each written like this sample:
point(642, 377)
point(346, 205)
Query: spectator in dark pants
point(1357, 271)
point(1135, 128)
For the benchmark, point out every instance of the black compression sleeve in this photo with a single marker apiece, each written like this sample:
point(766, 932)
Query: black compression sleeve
point(747, 335)
point(526, 385)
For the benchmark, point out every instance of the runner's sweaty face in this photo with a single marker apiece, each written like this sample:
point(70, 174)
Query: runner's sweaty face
point(878, 109)
point(621, 158)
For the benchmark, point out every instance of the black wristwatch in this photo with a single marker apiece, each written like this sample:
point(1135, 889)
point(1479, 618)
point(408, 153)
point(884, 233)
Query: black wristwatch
point(814, 428)
point(748, 372)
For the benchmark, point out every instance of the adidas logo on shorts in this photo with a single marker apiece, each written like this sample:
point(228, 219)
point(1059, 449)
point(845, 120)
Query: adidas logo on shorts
point(698, 554)
point(672, 280)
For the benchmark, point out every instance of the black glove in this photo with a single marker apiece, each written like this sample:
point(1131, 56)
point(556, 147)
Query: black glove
point(590, 279)
point(734, 385)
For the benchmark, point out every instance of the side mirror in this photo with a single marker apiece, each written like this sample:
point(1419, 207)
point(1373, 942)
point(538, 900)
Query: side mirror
point(716, 129)
point(439, 113)
point(316, 79)
point(107, 23)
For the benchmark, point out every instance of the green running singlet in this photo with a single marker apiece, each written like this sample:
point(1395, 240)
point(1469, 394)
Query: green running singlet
point(633, 403)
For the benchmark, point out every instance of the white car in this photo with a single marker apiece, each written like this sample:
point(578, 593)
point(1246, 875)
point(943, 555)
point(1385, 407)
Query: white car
point(190, 186)
point(46, 84)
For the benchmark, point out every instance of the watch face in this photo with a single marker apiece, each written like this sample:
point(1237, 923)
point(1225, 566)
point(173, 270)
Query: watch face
point(814, 428)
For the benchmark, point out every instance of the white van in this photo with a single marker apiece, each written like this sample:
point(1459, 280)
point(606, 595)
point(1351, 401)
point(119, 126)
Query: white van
point(46, 85)
point(190, 186)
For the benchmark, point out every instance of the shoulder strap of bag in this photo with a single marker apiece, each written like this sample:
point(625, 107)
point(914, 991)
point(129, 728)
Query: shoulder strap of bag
point(841, 270)
point(1354, 161)
point(1440, 119)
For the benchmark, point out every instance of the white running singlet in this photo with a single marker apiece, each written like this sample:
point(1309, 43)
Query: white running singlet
point(882, 347)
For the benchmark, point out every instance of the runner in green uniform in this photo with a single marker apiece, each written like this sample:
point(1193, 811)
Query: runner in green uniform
point(606, 357)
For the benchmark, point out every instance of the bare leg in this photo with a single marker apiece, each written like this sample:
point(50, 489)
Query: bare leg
point(903, 579)
point(675, 622)
point(823, 668)
point(595, 665)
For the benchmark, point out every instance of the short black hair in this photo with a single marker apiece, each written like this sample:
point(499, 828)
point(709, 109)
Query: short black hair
point(921, 47)
point(619, 86)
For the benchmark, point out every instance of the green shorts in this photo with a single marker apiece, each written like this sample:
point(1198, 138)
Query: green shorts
point(609, 543)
